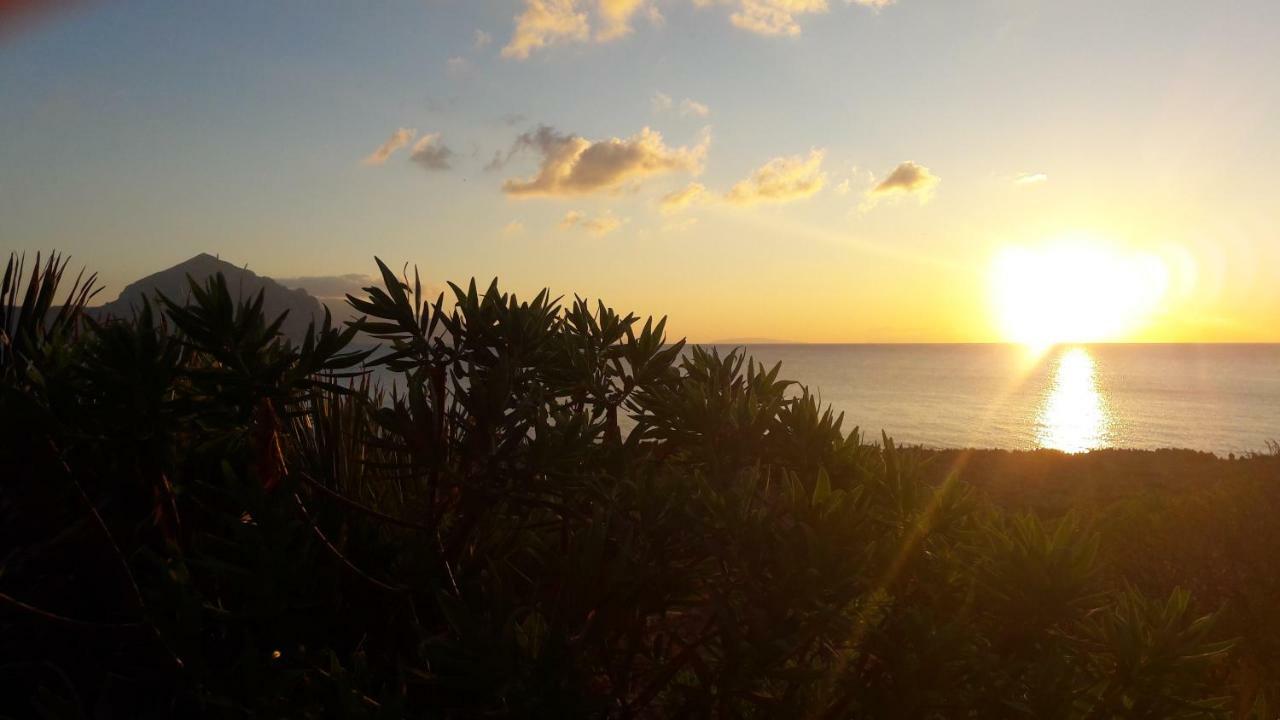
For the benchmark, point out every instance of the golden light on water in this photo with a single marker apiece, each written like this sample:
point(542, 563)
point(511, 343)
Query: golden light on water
point(1074, 289)
point(1074, 416)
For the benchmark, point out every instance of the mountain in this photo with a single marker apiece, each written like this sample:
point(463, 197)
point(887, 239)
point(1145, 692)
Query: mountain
point(302, 307)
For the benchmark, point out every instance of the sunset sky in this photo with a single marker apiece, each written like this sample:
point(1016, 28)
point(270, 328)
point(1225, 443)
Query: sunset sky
point(807, 170)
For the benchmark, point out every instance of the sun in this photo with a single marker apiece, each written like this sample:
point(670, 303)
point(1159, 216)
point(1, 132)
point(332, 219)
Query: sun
point(1074, 289)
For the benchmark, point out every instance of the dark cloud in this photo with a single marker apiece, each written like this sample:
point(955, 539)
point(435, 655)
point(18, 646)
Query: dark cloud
point(431, 154)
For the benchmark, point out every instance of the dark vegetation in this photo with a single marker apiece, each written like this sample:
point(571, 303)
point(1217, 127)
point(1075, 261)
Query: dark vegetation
point(200, 519)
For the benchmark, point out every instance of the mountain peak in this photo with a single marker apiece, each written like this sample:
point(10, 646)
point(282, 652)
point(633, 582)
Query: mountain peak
point(242, 282)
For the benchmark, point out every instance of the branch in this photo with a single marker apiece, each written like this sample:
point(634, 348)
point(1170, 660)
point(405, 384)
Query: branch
point(55, 617)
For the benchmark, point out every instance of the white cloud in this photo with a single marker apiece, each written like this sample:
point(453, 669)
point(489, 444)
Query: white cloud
point(1031, 179)
point(513, 228)
point(544, 23)
point(598, 226)
point(398, 139)
point(661, 102)
point(684, 197)
point(573, 165)
point(782, 179)
point(430, 154)
point(482, 39)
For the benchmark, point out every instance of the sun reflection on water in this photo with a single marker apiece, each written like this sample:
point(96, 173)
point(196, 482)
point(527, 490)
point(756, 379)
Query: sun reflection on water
point(1073, 416)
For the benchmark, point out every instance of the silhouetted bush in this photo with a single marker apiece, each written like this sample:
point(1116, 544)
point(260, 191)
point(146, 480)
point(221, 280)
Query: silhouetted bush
point(556, 513)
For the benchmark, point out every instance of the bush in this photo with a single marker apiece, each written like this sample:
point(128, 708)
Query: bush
point(555, 513)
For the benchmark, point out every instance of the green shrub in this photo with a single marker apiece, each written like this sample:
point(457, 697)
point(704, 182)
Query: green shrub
point(555, 513)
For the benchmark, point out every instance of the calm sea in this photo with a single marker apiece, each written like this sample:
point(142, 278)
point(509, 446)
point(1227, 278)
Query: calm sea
point(1218, 398)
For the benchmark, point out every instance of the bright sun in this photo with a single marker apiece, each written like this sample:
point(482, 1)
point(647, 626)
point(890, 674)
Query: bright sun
point(1074, 289)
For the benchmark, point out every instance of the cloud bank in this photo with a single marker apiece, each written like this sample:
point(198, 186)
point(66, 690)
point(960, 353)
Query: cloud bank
point(330, 287)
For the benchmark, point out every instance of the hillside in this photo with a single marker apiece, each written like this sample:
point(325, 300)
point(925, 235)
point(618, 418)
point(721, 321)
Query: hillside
point(301, 306)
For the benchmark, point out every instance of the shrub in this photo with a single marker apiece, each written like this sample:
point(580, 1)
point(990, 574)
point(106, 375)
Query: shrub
point(555, 513)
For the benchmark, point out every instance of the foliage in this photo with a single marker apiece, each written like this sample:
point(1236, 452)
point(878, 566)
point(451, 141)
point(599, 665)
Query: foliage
point(554, 512)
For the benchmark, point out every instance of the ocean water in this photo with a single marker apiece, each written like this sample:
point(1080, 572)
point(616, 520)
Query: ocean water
point(1217, 398)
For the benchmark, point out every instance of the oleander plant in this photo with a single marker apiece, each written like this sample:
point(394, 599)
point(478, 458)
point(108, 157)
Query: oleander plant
point(554, 511)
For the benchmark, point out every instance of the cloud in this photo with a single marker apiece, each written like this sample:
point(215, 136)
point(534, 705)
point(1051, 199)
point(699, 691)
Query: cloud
point(398, 139)
point(598, 226)
point(693, 107)
point(769, 17)
point(430, 154)
point(1031, 179)
point(909, 178)
point(482, 39)
point(512, 119)
point(330, 287)
point(457, 65)
point(552, 22)
point(782, 179)
point(544, 23)
point(615, 17)
point(515, 227)
point(662, 103)
point(861, 177)
point(779, 17)
point(676, 226)
point(680, 199)
point(573, 165)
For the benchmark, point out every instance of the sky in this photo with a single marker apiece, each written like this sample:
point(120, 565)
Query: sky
point(799, 170)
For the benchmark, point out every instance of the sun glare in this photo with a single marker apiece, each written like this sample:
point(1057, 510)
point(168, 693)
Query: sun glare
point(1074, 416)
point(1075, 289)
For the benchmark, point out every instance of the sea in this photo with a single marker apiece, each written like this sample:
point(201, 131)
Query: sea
point(1218, 398)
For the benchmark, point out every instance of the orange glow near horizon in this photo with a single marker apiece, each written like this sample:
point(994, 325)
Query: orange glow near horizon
point(1075, 289)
